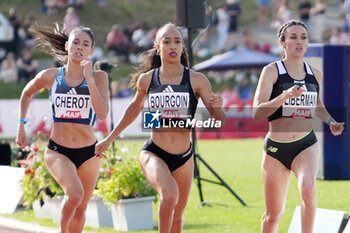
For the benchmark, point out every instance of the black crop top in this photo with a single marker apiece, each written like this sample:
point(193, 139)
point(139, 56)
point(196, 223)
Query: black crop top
point(300, 107)
point(175, 102)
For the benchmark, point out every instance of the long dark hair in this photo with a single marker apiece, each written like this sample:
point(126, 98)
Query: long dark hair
point(52, 40)
point(151, 58)
point(282, 30)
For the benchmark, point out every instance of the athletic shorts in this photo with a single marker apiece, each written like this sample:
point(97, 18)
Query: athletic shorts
point(173, 161)
point(77, 155)
point(287, 151)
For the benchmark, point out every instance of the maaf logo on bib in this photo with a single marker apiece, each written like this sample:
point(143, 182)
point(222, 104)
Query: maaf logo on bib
point(302, 112)
point(71, 115)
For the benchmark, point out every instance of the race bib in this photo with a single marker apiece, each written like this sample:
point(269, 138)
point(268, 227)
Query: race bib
point(72, 106)
point(170, 104)
point(303, 106)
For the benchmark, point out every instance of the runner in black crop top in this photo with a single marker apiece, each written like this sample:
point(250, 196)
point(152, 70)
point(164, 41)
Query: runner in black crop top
point(299, 107)
point(167, 83)
point(173, 101)
point(288, 96)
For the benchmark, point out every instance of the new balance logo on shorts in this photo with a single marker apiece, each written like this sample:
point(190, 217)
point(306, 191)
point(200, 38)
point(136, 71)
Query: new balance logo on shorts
point(151, 120)
point(272, 149)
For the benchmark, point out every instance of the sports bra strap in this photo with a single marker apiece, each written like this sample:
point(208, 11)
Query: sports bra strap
point(308, 69)
point(280, 67)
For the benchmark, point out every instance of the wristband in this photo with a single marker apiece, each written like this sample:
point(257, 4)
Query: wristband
point(330, 120)
point(23, 121)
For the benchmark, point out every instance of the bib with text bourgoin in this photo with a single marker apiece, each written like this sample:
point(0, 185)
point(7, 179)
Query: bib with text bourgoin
point(170, 104)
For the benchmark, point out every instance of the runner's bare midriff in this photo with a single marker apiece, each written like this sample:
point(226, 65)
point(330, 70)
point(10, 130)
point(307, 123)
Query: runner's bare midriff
point(73, 135)
point(287, 129)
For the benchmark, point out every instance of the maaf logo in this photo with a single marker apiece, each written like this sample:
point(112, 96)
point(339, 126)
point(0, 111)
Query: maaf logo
point(71, 115)
point(302, 112)
point(171, 114)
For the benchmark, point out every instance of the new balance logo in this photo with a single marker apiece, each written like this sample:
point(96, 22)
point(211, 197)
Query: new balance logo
point(72, 91)
point(168, 89)
point(272, 149)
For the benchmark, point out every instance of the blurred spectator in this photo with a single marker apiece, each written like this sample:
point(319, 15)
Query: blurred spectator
point(151, 34)
point(49, 7)
point(304, 9)
point(210, 16)
point(70, 20)
point(229, 93)
point(222, 27)
point(318, 19)
point(29, 23)
point(338, 37)
point(8, 72)
point(139, 37)
point(124, 91)
point(249, 40)
point(6, 36)
point(26, 65)
point(284, 13)
point(253, 77)
point(6, 30)
point(202, 47)
point(117, 42)
point(346, 11)
point(16, 44)
point(263, 7)
point(133, 48)
point(230, 97)
point(42, 6)
point(245, 89)
point(276, 4)
point(233, 10)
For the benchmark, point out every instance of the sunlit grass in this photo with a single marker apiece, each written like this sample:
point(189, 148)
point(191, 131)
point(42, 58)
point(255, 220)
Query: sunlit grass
point(238, 163)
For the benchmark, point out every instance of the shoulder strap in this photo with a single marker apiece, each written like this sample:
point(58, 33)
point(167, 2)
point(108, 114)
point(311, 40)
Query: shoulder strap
point(185, 76)
point(280, 67)
point(154, 80)
point(308, 69)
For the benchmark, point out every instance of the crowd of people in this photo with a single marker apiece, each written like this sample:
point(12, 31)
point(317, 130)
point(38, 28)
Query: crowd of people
point(18, 64)
point(312, 13)
point(126, 42)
